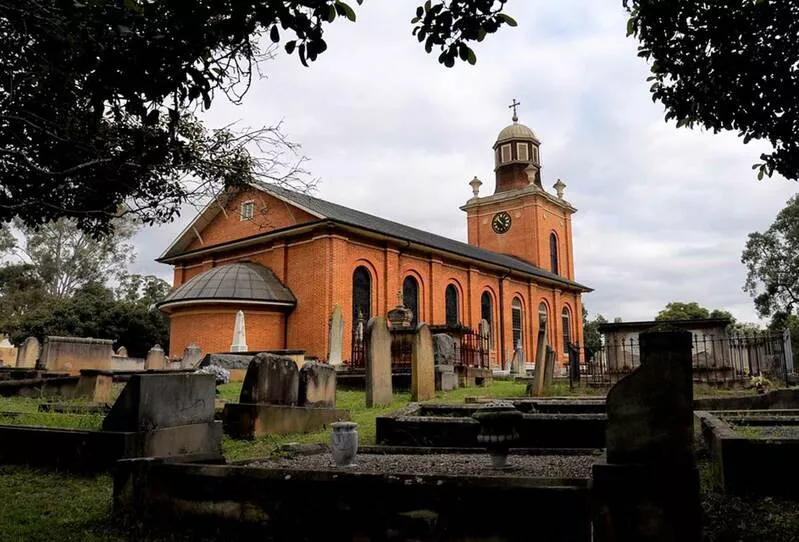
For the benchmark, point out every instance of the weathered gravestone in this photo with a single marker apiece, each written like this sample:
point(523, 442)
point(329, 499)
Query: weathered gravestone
point(517, 363)
point(122, 352)
point(239, 343)
point(377, 343)
point(444, 356)
point(156, 359)
point(423, 379)
point(335, 339)
point(271, 379)
point(317, 385)
point(648, 490)
point(171, 414)
point(549, 367)
point(191, 356)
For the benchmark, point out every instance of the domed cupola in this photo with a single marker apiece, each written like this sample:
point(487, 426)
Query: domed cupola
point(516, 156)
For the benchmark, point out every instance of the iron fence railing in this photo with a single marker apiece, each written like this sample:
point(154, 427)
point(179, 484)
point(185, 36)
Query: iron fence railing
point(717, 359)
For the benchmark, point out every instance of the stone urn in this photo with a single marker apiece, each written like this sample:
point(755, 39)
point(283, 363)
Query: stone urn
point(344, 443)
point(499, 429)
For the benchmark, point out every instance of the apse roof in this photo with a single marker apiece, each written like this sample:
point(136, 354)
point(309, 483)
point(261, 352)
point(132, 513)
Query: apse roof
point(250, 283)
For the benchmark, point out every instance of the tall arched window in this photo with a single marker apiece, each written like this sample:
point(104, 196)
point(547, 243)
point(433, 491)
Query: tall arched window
point(516, 323)
point(410, 297)
point(487, 314)
point(567, 329)
point(451, 305)
point(361, 294)
point(553, 252)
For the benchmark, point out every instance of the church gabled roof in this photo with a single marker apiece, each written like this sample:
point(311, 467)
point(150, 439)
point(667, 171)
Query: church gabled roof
point(326, 210)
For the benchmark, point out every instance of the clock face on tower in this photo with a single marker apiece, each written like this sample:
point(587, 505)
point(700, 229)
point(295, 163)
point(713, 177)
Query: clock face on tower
point(501, 222)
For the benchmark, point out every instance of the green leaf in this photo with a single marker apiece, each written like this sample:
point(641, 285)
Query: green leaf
point(631, 22)
point(507, 19)
point(760, 174)
point(348, 11)
point(472, 58)
point(274, 34)
point(331, 13)
point(290, 46)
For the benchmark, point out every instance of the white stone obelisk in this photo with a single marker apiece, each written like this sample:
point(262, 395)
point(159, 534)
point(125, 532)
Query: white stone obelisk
point(239, 334)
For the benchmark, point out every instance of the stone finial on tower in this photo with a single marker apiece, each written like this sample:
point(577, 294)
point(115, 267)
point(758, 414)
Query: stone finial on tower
point(559, 187)
point(532, 173)
point(476, 184)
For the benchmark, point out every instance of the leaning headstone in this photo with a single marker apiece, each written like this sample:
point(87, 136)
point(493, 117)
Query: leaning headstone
point(156, 359)
point(122, 352)
point(317, 385)
point(377, 342)
point(648, 489)
point(423, 378)
point(335, 340)
point(271, 379)
point(191, 356)
point(28, 353)
point(443, 349)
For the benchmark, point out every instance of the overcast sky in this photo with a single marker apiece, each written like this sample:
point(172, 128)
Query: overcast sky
point(663, 213)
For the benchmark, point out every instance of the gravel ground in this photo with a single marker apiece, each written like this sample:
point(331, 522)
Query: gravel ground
point(529, 466)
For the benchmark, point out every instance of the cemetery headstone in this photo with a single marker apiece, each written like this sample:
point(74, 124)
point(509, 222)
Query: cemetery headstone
point(271, 379)
point(648, 489)
point(122, 352)
point(28, 353)
point(377, 342)
point(443, 349)
point(422, 366)
point(517, 363)
point(549, 367)
point(335, 344)
point(156, 359)
point(191, 356)
point(317, 385)
point(239, 334)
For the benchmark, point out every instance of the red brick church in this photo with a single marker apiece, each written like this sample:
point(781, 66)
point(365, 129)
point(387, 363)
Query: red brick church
point(286, 259)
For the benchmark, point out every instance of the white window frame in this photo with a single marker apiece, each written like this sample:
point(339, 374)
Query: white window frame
point(522, 152)
point(505, 153)
point(247, 211)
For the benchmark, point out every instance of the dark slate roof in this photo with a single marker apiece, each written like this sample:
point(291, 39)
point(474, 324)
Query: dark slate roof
point(345, 215)
point(232, 282)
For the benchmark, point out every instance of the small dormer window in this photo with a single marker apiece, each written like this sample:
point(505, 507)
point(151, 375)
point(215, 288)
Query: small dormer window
point(247, 210)
point(522, 152)
point(505, 149)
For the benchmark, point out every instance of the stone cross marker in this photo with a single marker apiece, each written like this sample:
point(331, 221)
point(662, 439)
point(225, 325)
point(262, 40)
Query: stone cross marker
point(423, 378)
point(156, 360)
point(335, 340)
point(28, 353)
point(377, 342)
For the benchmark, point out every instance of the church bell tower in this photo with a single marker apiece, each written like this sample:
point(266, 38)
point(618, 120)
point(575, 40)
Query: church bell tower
point(522, 219)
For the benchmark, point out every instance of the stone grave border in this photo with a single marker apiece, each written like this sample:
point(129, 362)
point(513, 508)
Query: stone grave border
point(751, 465)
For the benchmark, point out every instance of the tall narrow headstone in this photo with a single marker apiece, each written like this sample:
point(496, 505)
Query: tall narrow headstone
point(29, 353)
point(549, 367)
point(540, 362)
point(239, 334)
point(517, 363)
point(156, 359)
point(377, 342)
point(423, 377)
point(335, 340)
point(648, 489)
point(191, 356)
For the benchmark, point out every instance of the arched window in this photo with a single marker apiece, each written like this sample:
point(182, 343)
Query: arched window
point(516, 323)
point(543, 322)
point(410, 297)
point(553, 252)
point(361, 294)
point(487, 314)
point(451, 305)
point(567, 329)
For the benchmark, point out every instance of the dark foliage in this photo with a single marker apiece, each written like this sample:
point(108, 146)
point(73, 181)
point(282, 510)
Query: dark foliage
point(726, 65)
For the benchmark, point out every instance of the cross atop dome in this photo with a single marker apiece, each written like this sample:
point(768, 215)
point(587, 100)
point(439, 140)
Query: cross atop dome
point(513, 106)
